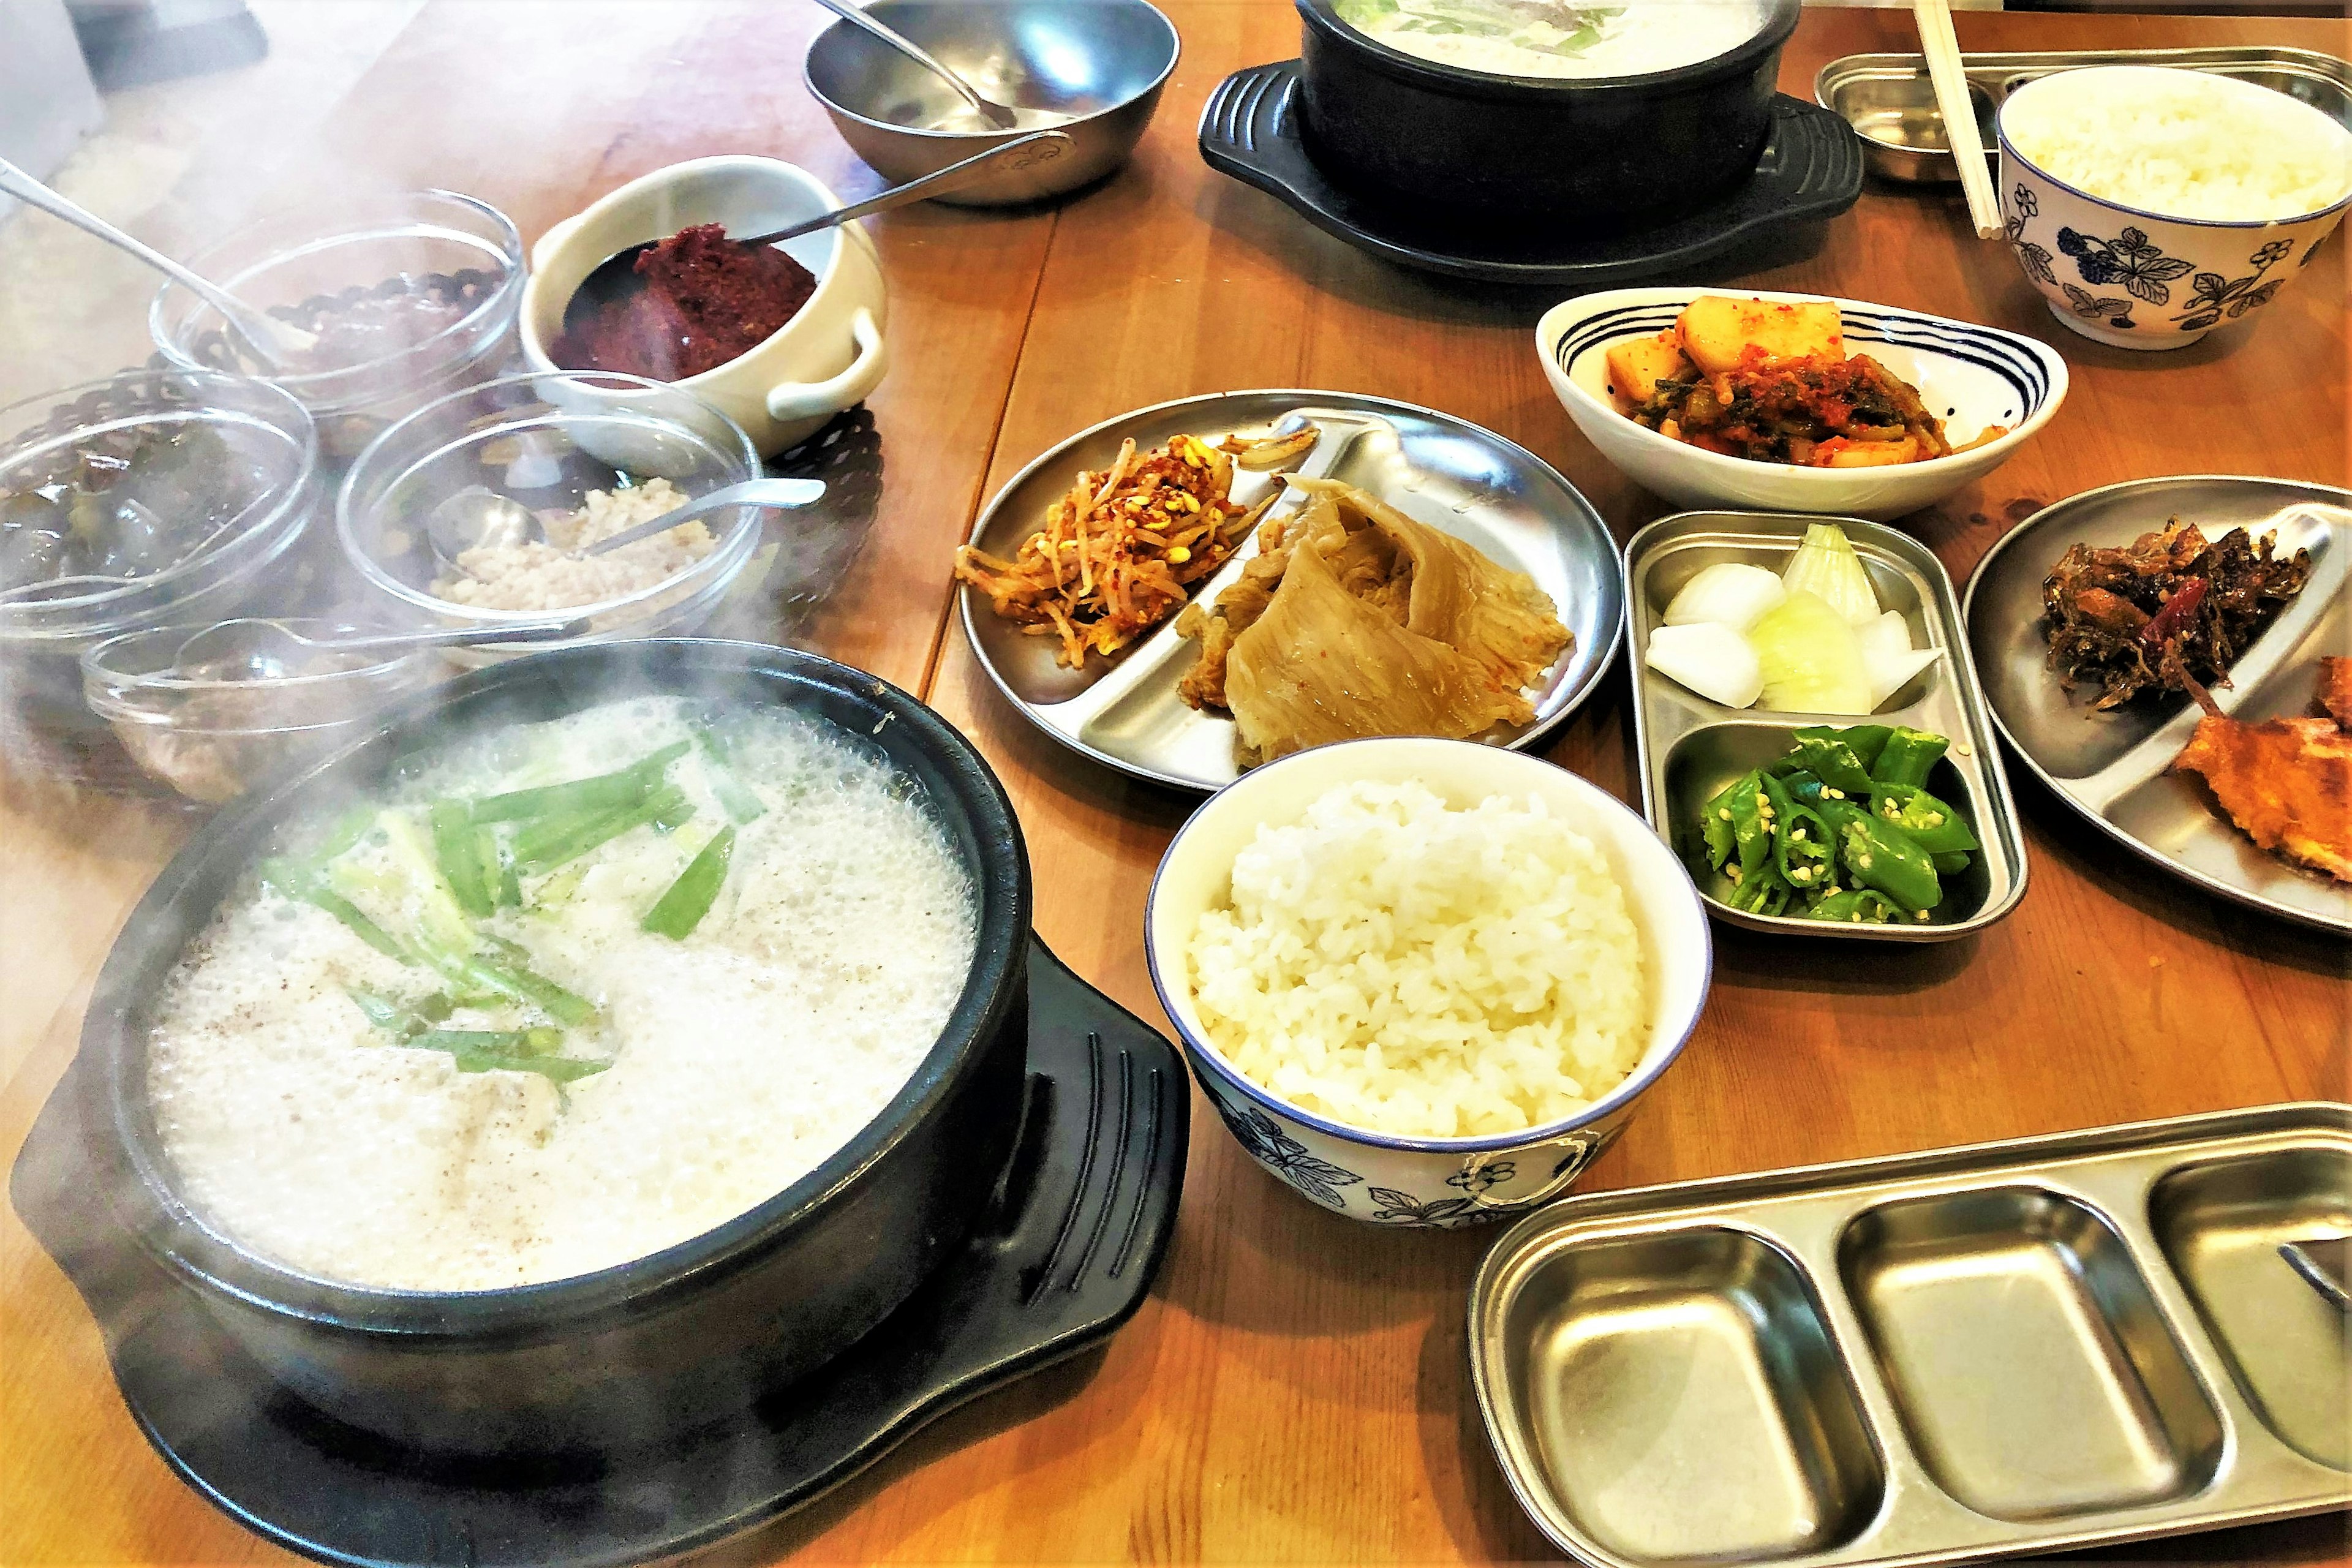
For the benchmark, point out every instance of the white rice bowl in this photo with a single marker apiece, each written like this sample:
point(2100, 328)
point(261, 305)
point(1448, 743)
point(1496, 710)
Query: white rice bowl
point(1412, 969)
point(2181, 143)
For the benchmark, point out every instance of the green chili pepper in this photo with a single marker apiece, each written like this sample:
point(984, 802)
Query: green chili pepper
point(456, 848)
point(1866, 741)
point(1950, 862)
point(1831, 759)
point(735, 797)
point(677, 911)
point(1715, 825)
point(1750, 817)
point(1909, 756)
point(1802, 848)
point(1855, 906)
point(601, 792)
point(1764, 895)
point(1882, 856)
point(1832, 805)
point(1933, 826)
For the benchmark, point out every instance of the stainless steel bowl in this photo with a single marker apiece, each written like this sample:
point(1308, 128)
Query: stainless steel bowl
point(1102, 61)
point(1902, 129)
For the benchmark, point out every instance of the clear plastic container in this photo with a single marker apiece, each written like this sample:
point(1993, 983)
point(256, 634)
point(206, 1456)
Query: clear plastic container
point(233, 486)
point(413, 295)
point(545, 440)
point(212, 740)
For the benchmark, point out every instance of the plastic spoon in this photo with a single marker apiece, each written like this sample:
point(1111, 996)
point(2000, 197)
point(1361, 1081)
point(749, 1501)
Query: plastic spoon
point(275, 342)
point(256, 648)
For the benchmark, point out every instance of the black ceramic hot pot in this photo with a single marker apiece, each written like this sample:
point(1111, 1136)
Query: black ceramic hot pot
point(605, 1360)
point(1591, 154)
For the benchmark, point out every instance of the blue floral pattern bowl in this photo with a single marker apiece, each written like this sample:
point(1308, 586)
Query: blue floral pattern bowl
point(2139, 279)
point(1440, 1182)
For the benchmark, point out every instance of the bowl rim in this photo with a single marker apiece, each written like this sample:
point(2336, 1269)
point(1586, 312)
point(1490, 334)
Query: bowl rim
point(360, 212)
point(174, 1230)
point(1780, 21)
point(113, 680)
point(731, 554)
point(285, 507)
point(1643, 1074)
point(1556, 324)
point(2009, 150)
point(980, 139)
point(540, 354)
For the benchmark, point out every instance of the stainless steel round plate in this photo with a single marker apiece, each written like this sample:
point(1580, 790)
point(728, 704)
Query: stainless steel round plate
point(1441, 471)
point(2115, 768)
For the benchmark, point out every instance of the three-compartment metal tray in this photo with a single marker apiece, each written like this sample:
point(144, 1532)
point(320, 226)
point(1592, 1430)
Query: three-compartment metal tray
point(1944, 1357)
point(1690, 748)
point(1891, 103)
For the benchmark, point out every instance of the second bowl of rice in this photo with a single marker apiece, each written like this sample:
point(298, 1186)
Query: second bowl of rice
point(1422, 982)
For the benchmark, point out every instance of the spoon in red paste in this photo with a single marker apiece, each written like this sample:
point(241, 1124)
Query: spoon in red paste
point(618, 274)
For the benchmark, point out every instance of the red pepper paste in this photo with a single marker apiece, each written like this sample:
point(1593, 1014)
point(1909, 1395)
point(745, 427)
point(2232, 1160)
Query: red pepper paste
point(700, 300)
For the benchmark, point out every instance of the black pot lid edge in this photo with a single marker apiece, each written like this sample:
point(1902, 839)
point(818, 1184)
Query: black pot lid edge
point(1242, 135)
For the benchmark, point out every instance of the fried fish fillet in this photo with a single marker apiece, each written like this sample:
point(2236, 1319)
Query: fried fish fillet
point(2287, 782)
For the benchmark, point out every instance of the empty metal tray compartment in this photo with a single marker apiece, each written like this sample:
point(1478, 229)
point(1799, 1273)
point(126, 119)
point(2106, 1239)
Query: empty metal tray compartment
point(1954, 1356)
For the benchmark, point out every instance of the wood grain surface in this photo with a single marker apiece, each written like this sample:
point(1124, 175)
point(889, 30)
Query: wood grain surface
point(1296, 1389)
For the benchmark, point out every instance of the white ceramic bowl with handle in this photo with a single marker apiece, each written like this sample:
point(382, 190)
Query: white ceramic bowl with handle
point(1971, 377)
point(1424, 1182)
point(2139, 279)
point(827, 358)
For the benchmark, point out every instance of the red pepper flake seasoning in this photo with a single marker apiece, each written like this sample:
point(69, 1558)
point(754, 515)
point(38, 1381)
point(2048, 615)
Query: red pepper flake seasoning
point(701, 300)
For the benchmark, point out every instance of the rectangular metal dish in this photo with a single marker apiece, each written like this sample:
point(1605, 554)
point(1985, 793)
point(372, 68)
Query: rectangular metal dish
point(1689, 748)
point(1954, 1356)
point(1890, 104)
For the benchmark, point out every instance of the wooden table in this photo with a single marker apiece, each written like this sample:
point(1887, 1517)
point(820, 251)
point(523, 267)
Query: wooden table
point(1295, 1390)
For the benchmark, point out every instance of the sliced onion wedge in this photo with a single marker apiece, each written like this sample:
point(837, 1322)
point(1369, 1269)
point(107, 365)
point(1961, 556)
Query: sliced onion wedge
point(1710, 658)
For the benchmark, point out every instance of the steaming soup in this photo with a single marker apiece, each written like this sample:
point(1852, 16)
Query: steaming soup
point(1558, 37)
point(566, 994)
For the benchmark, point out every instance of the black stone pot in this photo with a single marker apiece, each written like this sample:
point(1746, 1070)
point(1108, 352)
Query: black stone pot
point(1603, 152)
point(695, 1332)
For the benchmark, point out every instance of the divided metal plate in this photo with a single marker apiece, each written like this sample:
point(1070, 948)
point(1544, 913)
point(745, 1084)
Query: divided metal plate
point(1936, 1358)
point(1690, 748)
point(1891, 103)
point(1444, 472)
point(2114, 767)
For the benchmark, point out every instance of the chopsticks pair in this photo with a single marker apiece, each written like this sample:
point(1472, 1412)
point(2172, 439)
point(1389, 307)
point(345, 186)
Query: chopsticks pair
point(1942, 48)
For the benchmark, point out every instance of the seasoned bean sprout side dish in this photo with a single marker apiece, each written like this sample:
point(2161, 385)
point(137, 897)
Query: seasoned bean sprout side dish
point(565, 994)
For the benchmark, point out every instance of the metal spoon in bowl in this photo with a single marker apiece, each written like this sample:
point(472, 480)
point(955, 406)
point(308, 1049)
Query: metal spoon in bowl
point(616, 274)
point(275, 342)
point(256, 648)
point(474, 516)
point(1002, 116)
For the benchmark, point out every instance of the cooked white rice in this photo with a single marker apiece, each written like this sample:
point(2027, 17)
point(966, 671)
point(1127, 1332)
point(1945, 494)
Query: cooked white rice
point(2182, 143)
point(1399, 966)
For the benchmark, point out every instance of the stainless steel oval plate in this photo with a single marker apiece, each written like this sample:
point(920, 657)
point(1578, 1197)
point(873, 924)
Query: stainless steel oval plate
point(2115, 768)
point(1441, 471)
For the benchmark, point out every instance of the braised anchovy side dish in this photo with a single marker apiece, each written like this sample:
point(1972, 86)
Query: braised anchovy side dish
point(1771, 381)
point(2171, 608)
